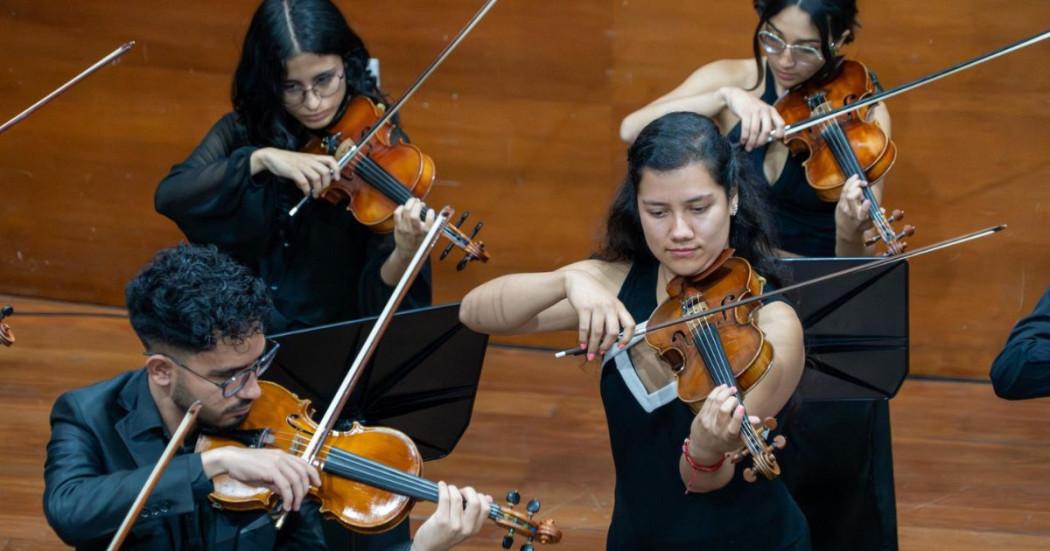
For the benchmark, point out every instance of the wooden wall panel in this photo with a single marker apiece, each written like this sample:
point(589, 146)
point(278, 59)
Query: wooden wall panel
point(522, 122)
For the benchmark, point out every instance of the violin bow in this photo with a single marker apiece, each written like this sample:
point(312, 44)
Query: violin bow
point(393, 109)
point(115, 54)
point(917, 83)
point(885, 261)
point(324, 427)
point(177, 439)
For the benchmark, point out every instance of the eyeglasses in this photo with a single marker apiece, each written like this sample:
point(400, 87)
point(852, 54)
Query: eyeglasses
point(235, 382)
point(324, 86)
point(803, 54)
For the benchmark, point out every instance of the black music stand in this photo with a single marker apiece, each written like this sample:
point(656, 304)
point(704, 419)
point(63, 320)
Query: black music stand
point(421, 380)
point(839, 461)
point(856, 329)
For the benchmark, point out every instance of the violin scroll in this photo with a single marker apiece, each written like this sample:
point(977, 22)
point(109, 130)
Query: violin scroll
point(544, 532)
point(764, 462)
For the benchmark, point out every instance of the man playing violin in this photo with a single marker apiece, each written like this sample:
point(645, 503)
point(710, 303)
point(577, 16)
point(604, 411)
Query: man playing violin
point(200, 316)
point(686, 198)
point(300, 65)
point(1022, 368)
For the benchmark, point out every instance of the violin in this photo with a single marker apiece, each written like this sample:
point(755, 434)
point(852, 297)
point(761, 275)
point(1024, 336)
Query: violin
point(726, 348)
point(370, 476)
point(840, 147)
point(385, 174)
point(7, 337)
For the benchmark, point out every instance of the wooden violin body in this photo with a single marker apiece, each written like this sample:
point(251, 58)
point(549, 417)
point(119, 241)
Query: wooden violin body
point(279, 419)
point(369, 476)
point(874, 151)
point(384, 175)
point(726, 348)
point(744, 345)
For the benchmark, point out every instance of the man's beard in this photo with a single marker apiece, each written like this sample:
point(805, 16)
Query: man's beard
point(184, 399)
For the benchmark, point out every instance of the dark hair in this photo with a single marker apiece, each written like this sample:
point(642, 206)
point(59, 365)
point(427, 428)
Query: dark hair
point(279, 30)
point(193, 296)
point(831, 17)
point(674, 141)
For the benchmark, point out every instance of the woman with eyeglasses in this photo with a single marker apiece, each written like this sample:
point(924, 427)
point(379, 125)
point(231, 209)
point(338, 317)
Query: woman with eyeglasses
point(838, 463)
point(795, 41)
point(300, 65)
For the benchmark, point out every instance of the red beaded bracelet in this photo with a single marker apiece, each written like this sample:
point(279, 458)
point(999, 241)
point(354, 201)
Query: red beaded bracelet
point(698, 467)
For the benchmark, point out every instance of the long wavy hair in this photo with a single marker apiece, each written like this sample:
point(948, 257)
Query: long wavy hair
point(674, 141)
point(280, 30)
point(831, 17)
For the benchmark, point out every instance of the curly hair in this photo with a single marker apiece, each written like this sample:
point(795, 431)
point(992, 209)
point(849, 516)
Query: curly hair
point(280, 30)
point(193, 296)
point(674, 141)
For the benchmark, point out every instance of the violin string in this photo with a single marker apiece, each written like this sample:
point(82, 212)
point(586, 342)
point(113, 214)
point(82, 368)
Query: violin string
point(382, 180)
point(378, 472)
point(715, 354)
point(840, 146)
point(724, 371)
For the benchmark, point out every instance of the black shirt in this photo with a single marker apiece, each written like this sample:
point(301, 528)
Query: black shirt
point(321, 266)
point(651, 510)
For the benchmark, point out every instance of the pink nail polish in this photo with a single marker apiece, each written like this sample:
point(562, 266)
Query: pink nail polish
point(590, 356)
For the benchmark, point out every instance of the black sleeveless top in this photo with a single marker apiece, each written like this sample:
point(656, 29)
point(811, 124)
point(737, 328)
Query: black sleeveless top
point(651, 510)
point(805, 224)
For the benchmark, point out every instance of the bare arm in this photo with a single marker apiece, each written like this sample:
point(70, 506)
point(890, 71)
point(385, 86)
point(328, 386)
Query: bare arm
point(784, 332)
point(703, 93)
point(581, 295)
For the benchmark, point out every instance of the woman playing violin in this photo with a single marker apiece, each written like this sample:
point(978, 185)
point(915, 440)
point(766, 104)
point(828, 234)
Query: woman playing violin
point(796, 41)
point(300, 65)
point(684, 201)
point(846, 480)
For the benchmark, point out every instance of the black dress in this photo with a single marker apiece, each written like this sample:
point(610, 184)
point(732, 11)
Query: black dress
point(804, 223)
point(322, 266)
point(838, 463)
point(651, 510)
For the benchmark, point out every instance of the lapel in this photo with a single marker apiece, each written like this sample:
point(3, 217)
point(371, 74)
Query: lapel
point(141, 427)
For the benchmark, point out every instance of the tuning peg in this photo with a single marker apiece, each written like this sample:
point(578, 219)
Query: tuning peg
point(447, 250)
point(896, 215)
point(779, 441)
point(872, 240)
point(463, 263)
point(462, 218)
point(7, 310)
point(908, 231)
point(533, 507)
point(477, 228)
point(749, 474)
point(513, 497)
point(508, 541)
point(526, 547)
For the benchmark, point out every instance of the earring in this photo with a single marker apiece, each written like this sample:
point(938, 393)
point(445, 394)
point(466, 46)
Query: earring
point(733, 207)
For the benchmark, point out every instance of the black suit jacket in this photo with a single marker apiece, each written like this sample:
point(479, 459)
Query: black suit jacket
point(105, 440)
point(1022, 369)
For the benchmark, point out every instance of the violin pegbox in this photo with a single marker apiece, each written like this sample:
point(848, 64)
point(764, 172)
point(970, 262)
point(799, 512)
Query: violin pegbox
point(766, 463)
point(475, 250)
point(517, 522)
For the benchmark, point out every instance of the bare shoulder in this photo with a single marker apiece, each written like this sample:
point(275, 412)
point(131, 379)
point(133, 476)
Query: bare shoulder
point(779, 318)
point(740, 73)
point(610, 274)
